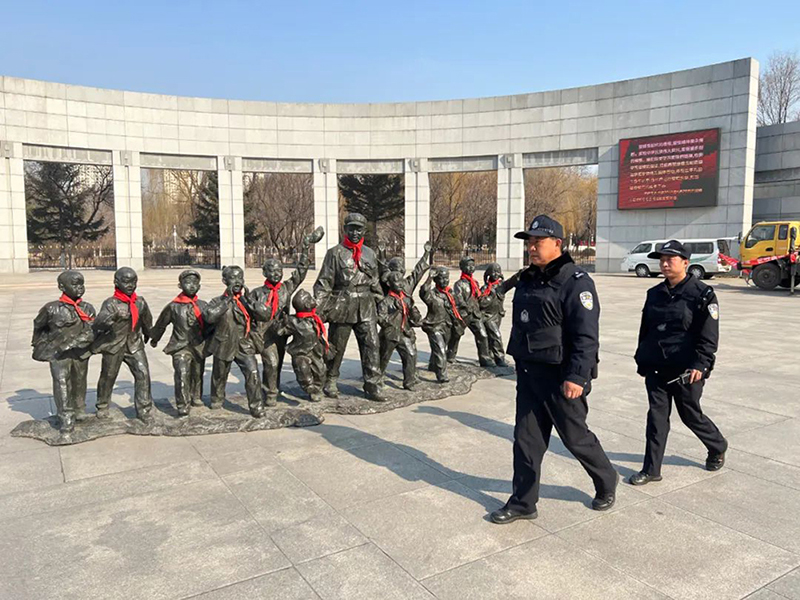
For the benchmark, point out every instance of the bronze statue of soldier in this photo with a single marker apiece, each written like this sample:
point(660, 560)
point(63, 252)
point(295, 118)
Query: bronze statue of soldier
point(269, 303)
point(187, 343)
point(232, 341)
point(467, 293)
point(62, 336)
point(347, 292)
point(121, 329)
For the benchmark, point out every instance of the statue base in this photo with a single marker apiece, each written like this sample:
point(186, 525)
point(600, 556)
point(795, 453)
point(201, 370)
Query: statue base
point(293, 409)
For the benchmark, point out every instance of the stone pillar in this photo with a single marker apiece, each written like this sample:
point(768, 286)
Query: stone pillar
point(326, 205)
point(510, 211)
point(608, 256)
point(13, 227)
point(231, 210)
point(417, 208)
point(127, 174)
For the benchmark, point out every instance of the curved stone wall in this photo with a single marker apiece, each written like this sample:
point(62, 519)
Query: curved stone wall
point(51, 121)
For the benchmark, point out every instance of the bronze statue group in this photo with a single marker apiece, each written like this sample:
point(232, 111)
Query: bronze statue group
point(355, 291)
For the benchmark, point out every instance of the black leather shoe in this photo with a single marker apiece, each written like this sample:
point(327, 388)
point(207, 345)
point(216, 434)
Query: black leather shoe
point(715, 461)
point(508, 515)
point(604, 501)
point(642, 478)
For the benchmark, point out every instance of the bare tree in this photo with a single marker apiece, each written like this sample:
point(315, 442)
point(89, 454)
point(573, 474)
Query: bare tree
point(779, 89)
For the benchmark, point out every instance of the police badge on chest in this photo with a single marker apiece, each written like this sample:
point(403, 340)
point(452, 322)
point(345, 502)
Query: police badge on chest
point(524, 316)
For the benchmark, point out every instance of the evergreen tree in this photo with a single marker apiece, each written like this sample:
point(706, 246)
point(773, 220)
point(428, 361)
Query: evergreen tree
point(64, 204)
point(205, 213)
point(377, 197)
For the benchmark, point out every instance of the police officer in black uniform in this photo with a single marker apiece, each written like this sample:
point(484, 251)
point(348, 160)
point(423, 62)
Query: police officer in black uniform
point(677, 341)
point(554, 341)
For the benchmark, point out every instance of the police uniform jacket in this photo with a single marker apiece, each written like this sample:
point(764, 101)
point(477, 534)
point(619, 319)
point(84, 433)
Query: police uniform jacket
point(230, 329)
point(556, 320)
point(58, 332)
point(112, 327)
point(347, 293)
point(265, 325)
point(679, 329)
point(186, 329)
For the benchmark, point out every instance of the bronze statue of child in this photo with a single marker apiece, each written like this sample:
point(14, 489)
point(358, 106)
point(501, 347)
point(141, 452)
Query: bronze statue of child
point(397, 317)
point(232, 341)
point(62, 336)
point(493, 293)
point(398, 265)
point(269, 303)
point(121, 329)
point(467, 293)
point(187, 343)
point(443, 321)
point(308, 345)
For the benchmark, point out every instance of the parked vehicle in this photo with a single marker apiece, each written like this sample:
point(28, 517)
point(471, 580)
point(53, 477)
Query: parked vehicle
point(704, 264)
point(769, 251)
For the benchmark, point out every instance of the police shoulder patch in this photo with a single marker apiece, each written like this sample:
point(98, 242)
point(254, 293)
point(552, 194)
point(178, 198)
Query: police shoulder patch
point(579, 274)
point(587, 300)
point(713, 310)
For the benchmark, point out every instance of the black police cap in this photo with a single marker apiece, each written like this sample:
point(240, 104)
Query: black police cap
point(542, 226)
point(671, 248)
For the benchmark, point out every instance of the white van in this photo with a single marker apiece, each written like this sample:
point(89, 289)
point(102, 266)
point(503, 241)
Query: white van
point(704, 264)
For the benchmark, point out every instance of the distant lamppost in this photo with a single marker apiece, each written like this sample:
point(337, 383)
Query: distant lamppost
point(175, 236)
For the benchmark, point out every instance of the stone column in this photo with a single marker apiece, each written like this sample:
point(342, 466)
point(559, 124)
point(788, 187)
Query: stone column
point(417, 208)
point(510, 211)
point(127, 174)
point(13, 227)
point(326, 205)
point(231, 210)
point(608, 256)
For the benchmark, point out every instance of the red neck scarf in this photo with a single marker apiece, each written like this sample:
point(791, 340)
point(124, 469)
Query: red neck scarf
point(489, 285)
point(446, 292)
point(401, 297)
point(318, 324)
point(475, 289)
point(356, 248)
point(131, 302)
point(74, 304)
point(272, 299)
point(182, 298)
point(236, 298)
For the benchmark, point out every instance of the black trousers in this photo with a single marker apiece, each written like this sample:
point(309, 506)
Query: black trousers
point(140, 369)
point(540, 407)
point(661, 395)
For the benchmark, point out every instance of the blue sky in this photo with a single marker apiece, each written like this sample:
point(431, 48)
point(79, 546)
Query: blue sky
point(328, 51)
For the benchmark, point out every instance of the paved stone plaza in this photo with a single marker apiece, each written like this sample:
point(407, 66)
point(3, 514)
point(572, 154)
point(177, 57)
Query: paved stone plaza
point(394, 505)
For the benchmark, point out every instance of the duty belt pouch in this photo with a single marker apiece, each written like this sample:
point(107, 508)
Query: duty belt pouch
point(544, 345)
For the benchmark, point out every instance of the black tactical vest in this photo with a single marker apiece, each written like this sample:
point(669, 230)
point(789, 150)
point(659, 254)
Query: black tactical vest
point(536, 321)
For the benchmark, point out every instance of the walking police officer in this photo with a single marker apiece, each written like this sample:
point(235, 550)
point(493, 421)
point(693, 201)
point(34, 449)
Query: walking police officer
point(554, 341)
point(677, 341)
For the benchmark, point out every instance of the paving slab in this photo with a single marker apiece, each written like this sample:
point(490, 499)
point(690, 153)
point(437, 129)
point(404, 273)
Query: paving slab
point(764, 510)
point(347, 477)
point(546, 568)
point(320, 536)
point(787, 586)
point(711, 561)
point(437, 528)
point(778, 441)
point(362, 573)
point(172, 543)
point(30, 469)
point(286, 585)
